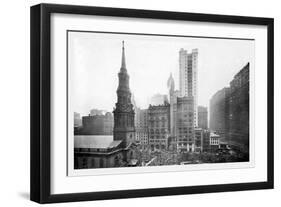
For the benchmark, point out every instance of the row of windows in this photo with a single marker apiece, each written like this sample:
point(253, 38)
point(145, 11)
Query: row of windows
point(158, 137)
point(214, 141)
point(157, 131)
point(185, 132)
point(185, 139)
point(159, 125)
point(184, 128)
point(157, 141)
point(158, 118)
point(184, 144)
point(186, 122)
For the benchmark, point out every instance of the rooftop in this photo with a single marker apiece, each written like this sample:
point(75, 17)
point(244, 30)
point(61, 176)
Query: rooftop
point(95, 141)
point(212, 134)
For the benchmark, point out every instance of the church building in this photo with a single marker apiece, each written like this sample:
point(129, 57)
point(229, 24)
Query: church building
point(119, 150)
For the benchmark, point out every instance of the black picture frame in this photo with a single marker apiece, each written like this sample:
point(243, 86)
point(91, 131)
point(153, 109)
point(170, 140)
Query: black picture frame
point(41, 102)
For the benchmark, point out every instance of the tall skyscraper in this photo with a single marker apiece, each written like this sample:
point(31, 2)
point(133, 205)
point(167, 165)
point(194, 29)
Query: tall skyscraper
point(181, 119)
point(229, 110)
point(188, 66)
point(124, 115)
point(239, 107)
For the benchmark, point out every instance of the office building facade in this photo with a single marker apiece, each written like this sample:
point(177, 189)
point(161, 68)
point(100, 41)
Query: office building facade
point(188, 81)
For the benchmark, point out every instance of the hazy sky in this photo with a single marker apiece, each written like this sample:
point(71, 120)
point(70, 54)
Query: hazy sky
point(95, 60)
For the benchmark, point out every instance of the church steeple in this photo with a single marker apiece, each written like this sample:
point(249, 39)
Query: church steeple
point(124, 114)
point(123, 63)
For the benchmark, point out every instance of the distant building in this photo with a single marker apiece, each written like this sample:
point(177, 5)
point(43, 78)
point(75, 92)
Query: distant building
point(94, 112)
point(202, 117)
point(199, 138)
point(188, 73)
point(229, 111)
point(219, 112)
point(158, 126)
point(158, 99)
point(77, 123)
point(206, 140)
point(214, 141)
point(141, 124)
point(98, 124)
point(77, 120)
point(239, 107)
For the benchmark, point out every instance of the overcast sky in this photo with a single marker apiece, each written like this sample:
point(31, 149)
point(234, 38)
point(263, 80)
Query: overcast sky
point(95, 60)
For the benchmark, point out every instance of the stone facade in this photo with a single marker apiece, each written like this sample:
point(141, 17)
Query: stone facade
point(214, 141)
point(185, 124)
point(159, 126)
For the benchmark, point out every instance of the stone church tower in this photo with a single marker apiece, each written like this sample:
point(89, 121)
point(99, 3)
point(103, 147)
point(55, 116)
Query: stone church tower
point(124, 115)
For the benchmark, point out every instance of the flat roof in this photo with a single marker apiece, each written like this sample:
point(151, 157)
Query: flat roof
point(212, 134)
point(95, 141)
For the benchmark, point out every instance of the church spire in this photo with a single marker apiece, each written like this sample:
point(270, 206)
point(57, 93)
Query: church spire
point(123, 63)
point(124, 114)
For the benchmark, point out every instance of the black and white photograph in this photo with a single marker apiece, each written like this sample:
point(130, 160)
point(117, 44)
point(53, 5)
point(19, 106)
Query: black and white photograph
point(133, 103)
point(142, 100)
